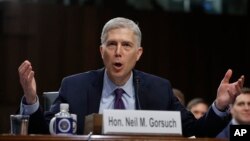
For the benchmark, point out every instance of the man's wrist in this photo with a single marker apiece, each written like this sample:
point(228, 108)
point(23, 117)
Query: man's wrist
point(221, 109)
point(29, 101)
point(221, 114)
point(28, 109)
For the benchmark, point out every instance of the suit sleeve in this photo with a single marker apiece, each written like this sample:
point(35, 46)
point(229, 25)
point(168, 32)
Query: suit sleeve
point(207, 126)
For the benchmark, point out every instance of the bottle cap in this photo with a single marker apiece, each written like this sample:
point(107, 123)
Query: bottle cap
point(64, 106)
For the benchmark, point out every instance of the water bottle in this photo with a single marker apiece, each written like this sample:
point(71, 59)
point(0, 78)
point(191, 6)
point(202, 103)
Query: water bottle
point(62, 123)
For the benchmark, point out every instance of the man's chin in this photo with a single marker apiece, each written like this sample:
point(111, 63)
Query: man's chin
point(116, 74)
point(245, 122)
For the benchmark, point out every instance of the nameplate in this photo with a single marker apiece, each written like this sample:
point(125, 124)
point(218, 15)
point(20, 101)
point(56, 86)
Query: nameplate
point(141, 122)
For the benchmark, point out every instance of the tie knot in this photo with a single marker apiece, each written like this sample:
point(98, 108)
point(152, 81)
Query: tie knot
point(118, 92)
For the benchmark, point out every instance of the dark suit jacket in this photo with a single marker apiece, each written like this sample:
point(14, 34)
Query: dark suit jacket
point(83, 93)
point(225, 133)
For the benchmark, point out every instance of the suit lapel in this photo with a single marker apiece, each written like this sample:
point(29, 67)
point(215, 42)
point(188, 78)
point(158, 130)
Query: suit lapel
point(95, 92)
point(140, 90)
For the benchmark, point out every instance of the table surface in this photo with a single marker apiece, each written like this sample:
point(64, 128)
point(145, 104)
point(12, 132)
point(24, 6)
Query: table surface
point(7, 137)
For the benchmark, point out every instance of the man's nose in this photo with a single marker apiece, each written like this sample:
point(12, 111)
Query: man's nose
point(248, 106)
point(118, 50)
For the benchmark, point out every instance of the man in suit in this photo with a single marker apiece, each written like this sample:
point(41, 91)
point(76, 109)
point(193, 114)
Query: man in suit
point(240, 111)
point(93, 91)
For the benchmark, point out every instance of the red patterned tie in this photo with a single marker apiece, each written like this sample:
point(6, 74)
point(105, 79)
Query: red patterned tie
point(118, 99)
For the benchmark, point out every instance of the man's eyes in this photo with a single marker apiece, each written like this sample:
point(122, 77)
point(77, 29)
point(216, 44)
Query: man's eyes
point(241, 104)
point(126, 45)
point(123, 45)
point(111, 44)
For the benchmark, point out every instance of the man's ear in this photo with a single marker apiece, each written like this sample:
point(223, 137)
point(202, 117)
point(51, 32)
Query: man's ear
point(139, 53)
point(101, 50)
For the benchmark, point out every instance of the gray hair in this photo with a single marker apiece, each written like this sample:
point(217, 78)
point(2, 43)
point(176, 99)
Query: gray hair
point(120, 22)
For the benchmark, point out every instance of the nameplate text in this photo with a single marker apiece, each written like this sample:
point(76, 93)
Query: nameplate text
point(141, 122)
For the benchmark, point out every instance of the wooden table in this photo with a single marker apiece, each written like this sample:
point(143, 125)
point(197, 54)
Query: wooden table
point(6, 137)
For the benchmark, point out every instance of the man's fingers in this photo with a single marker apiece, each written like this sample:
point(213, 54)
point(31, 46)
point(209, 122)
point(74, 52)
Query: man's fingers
point(237, 89)
point(24, 77)
point(25, 73)
point(23, 66)
point(241, 81)
point(22, 69)
point(232, 96)
point(227, 76)
point(31, 76)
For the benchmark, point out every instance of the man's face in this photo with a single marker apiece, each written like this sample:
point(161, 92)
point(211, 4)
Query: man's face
point(199, 110)
point(241, 109)
point(120, 54)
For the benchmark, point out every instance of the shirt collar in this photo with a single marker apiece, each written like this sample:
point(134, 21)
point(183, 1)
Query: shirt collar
point(110, 86)
point(234, 122)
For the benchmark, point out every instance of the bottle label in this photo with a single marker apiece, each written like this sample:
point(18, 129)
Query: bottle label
point(64, 125)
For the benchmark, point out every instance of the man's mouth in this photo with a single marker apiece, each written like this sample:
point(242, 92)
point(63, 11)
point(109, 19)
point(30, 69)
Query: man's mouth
point(118, 64)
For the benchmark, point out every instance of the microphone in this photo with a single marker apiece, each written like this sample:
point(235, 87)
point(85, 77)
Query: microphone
point(137, 92)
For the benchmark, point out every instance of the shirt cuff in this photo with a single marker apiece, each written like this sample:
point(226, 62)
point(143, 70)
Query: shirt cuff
point(26, 109)
point(218, 112)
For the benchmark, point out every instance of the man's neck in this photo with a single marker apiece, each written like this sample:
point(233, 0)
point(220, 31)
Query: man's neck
point(119, 81)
